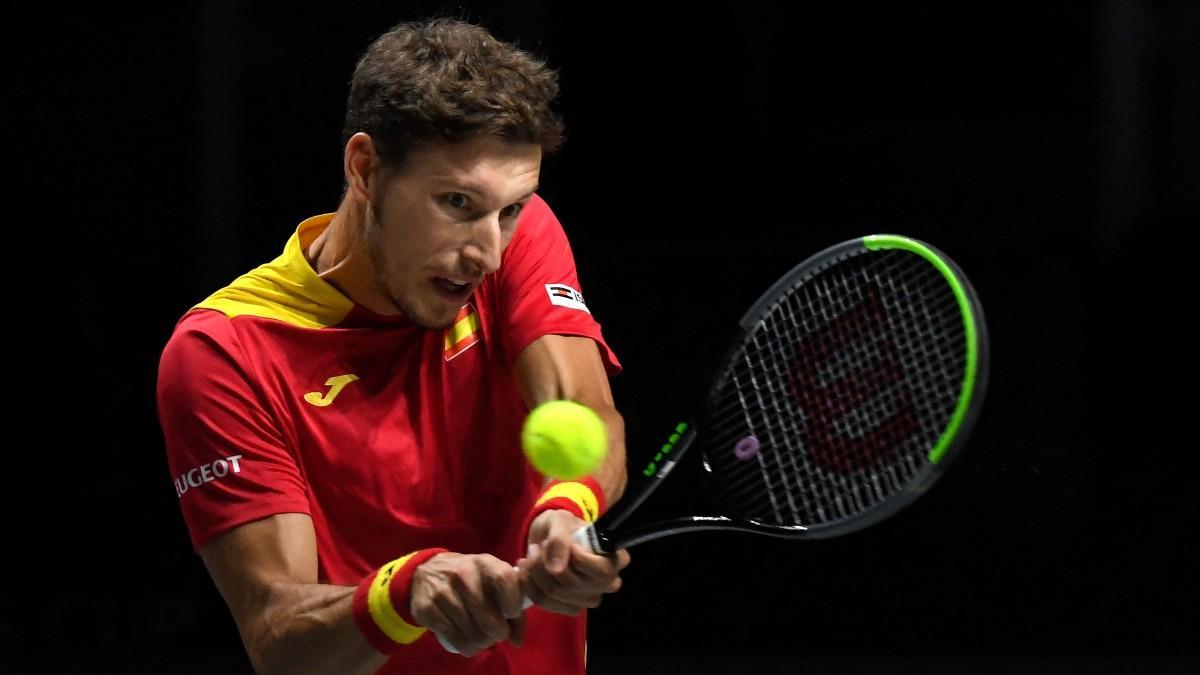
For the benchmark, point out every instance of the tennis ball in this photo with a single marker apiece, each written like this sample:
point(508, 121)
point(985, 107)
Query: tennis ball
point(564, 439)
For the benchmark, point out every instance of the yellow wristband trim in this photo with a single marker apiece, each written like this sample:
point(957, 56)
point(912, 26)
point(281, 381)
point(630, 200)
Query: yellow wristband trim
point(379, 604)
point(579, 493)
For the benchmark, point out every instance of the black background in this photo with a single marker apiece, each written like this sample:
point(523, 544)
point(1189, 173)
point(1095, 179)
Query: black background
point(1050, 149)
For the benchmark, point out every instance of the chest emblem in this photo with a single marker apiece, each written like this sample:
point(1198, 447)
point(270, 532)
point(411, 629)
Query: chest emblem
point(463, 334)
point(335, 384)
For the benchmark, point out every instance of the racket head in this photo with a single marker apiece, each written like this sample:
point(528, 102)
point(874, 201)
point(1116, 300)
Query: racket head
point(853, 384)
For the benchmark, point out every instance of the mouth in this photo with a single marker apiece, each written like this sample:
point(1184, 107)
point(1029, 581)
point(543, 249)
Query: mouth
point(453, 290)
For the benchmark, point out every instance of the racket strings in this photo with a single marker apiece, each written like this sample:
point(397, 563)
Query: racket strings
point(846, 384)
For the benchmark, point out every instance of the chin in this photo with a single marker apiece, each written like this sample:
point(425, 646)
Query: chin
point(430, 319)
point(436, 325)
point(429, 322)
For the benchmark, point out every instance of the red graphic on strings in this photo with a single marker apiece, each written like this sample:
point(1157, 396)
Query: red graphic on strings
point(823, 405)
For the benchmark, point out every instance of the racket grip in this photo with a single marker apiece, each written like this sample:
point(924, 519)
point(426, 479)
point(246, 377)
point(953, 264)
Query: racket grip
point(584, 536)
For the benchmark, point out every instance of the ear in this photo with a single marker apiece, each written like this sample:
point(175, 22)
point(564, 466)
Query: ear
point(361, 164)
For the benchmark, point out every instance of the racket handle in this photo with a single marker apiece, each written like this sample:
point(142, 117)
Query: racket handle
point(584, 536)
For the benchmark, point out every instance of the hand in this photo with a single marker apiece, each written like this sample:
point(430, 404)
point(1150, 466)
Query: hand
point(471, 601)
point(561, 575)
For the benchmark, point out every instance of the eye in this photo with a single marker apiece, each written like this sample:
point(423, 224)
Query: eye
point(456, 200)
point(511, 210)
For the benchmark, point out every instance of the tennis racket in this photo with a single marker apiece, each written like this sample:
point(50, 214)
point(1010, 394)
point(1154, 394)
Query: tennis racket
point(851, 385)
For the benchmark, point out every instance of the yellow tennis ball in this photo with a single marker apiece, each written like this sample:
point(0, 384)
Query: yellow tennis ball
point(564, 439)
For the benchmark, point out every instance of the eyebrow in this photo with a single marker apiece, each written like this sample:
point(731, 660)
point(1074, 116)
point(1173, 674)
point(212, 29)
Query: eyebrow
point(473, 189)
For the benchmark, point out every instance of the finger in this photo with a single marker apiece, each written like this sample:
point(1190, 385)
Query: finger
point(473, 613)
point(566, 595)
point(597, 567)
point(603, 577)
point(622, 559)
point(432, 617)
point(557, 584)
point(453, 625)
point(557, 553)
point(546, 597)
point(504, 584)
point(564, 592)
point(592, 602)
point(516, 630)
point(478, 594)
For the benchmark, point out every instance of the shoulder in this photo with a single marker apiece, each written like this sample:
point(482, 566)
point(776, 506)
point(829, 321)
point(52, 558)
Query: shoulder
point(539, 232)
point(204, 348)
point(201, 330)
point(537, 211)
point(537, 218)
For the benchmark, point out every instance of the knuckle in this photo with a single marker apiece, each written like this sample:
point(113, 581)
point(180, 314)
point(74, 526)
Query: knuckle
point(507, 574)
point(443, 595)
point(460, 584)
point(448, 592)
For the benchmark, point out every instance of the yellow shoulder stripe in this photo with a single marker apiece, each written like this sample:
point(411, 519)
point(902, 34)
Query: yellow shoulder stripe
point(286, 289)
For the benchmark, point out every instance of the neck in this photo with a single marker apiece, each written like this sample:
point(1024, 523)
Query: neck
point(333, 249)
point(339, 257)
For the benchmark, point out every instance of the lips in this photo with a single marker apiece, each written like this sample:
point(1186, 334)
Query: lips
point(452, 289)
point(450, 284)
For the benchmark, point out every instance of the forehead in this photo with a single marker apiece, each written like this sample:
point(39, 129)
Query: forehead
point(483, 164)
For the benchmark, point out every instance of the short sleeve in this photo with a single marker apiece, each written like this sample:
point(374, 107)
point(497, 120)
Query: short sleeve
point(539, 287)
point(226, 454)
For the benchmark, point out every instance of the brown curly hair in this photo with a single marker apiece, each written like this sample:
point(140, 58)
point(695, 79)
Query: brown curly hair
point(445, 79)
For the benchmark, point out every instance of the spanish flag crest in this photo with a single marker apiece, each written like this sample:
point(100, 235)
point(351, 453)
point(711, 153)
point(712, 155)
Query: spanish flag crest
point(463, 334)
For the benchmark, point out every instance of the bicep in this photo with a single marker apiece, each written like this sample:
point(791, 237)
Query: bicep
point(563, 367)
point(567, 367)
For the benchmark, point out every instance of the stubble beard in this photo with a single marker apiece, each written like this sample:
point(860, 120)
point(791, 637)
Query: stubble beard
point(373, 234)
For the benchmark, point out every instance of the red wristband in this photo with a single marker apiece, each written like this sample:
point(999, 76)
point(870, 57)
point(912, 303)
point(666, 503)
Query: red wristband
point(381, 601)
point(583, 497)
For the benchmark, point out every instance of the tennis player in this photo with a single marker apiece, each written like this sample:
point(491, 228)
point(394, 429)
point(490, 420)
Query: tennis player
point(342, 423)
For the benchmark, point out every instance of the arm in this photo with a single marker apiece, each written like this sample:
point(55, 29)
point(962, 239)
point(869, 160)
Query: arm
point(557, 367)
point(558, 575)
point(267, 572)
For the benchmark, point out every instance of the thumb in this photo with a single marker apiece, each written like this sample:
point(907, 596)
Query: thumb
point(555, 550)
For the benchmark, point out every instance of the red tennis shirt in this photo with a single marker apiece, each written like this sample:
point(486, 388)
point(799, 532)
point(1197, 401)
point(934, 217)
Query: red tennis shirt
point(278, 394)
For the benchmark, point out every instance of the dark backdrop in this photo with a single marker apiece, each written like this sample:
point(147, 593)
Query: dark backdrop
point(1051, 149)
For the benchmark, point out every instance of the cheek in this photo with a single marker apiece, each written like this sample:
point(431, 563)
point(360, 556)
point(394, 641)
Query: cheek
point(442, 246)
point(413, 253)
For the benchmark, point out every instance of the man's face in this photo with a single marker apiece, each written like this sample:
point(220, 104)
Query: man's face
point(442, 222)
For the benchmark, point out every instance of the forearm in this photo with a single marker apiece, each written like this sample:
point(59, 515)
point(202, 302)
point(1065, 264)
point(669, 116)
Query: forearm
point(308, 628)
point(612, 475)
point(556, 367)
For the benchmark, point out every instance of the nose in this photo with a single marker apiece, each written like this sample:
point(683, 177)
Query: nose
point(485, 246)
